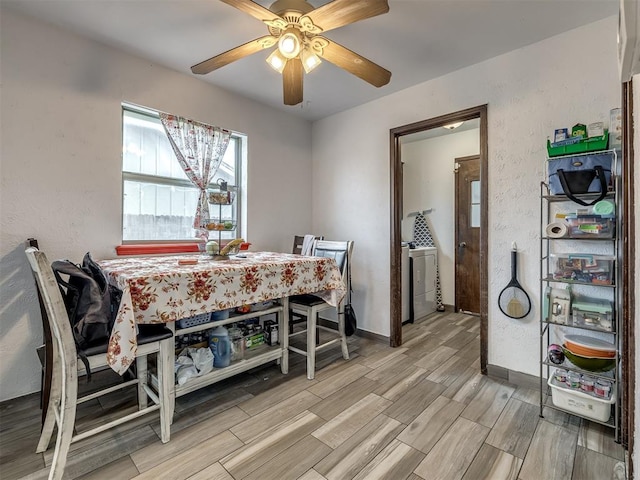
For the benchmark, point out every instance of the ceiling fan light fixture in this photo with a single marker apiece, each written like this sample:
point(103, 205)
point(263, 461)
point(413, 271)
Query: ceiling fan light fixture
point(452, 126)
point(276, 61)
point(290, 43)
point(309, 60)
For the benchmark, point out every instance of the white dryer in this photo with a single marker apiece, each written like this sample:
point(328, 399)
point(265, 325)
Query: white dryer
point(406, 284)
point(424, 262)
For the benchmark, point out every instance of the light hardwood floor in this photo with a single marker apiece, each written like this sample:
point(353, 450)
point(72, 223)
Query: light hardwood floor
point(422, 411)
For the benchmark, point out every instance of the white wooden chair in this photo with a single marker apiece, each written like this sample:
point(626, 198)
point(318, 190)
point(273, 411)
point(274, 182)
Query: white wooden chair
point(310, 306)
point(63, 399)
point(298, 241)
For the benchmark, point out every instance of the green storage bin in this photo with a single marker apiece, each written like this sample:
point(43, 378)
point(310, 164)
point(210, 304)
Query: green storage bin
point(588, 145)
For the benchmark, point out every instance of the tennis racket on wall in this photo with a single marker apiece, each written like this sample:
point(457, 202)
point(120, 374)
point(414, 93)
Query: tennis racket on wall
point(513, 300)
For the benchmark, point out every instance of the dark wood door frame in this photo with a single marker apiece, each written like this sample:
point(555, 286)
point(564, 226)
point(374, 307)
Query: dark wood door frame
point(395, 338)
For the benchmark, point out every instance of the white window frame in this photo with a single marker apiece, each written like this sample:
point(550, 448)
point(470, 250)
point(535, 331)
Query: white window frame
point(240, 146)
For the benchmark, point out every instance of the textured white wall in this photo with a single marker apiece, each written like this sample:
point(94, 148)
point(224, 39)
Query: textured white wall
point(61, 163)
point(429, 182)
point(530, 92)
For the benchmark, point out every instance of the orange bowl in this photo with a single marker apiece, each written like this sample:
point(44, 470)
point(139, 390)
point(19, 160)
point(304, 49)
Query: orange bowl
point(589, 346)
point(588, 352)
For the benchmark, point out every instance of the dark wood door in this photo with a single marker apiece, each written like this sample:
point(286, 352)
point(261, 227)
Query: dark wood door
point(468, 218)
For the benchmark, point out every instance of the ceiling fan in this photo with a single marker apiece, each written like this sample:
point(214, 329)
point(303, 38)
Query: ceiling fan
point(296, 27)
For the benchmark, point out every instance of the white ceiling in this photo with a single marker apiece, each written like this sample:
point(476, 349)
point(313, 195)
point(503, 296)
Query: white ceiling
point(417, 40)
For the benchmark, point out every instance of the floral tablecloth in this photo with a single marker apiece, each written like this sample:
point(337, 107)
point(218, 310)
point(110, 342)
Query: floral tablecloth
point(159, 290)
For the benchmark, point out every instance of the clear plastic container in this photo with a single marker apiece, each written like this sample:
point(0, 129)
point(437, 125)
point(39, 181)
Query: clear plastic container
point(586, 383)
point(573, 380)
point(602, 388)
point(583, 268)
point(237, 344)
point(560, 375)
point(590, 226)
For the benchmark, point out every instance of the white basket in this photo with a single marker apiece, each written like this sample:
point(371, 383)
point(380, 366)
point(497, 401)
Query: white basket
point(581, 403)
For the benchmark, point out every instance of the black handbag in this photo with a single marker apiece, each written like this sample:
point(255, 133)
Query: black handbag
point(575, 175)
point(350, 322)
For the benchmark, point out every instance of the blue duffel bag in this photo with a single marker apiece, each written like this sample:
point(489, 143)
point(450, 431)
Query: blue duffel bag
point(579, 174)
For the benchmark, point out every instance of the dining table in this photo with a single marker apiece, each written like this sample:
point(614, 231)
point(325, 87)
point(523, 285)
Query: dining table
point(165, 289)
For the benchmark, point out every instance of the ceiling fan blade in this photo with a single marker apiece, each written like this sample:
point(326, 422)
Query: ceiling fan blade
point(234, 54)
point(253, 9)
point(292, 82)
point(343, 12)
point(353, 63)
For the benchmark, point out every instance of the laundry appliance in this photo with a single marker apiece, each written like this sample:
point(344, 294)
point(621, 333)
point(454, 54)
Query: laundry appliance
point(406, 284)
point(424, 262)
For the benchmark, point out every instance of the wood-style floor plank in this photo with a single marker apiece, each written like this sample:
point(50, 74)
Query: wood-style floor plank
point(287, 389)
point(342, 426)
point(330, 384)
point(382, 358)
point(214, 471)
point(194, 459)
point(599, 438)
point(487, 405)
point(396, 387)
point(434, 359)
point(348, 459)
point(245, 460)
point(390, 370)
point(406, 408)
point(122, 469)
point(395, 462)
point(595, 466)
point(515, 427)
point(466, 386)
point(292, 462)
point(256, 425)
point(562, 419)
point(425, 431)
point(157, 452)
point(454, 452)
point(450, 370)
point(551, 453)
point(493, 464)
point(528, 395)
point(312, 475)
point(461, 341)
point(341, 400)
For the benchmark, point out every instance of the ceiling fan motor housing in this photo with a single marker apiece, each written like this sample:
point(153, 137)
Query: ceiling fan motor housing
point(294, 7)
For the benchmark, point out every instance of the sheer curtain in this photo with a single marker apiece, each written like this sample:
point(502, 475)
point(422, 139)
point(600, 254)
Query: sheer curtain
point(199, 149)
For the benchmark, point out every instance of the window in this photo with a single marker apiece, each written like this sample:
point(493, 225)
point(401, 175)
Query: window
point(159, 201)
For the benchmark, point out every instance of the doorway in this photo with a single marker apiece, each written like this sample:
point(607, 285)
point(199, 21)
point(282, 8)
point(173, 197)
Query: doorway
point(396, 134)
point(467, 217)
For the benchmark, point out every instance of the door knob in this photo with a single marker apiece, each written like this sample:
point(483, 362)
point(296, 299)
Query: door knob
point(462, 244)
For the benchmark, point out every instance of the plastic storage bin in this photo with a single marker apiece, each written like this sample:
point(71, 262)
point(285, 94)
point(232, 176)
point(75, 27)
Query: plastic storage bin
point(596, 314)
point(220, 315)
point(569, 147)
point(193, 321)
point(583, 268)
point(581, 403)
point(590, 226)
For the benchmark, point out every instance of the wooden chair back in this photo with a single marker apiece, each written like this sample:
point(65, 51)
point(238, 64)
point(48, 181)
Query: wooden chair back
point(64, 347)
point(298, 240)
point(340, 251)
point(45, 352)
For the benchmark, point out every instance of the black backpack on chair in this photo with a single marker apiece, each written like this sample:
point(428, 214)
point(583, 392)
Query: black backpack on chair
point(91, 303)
